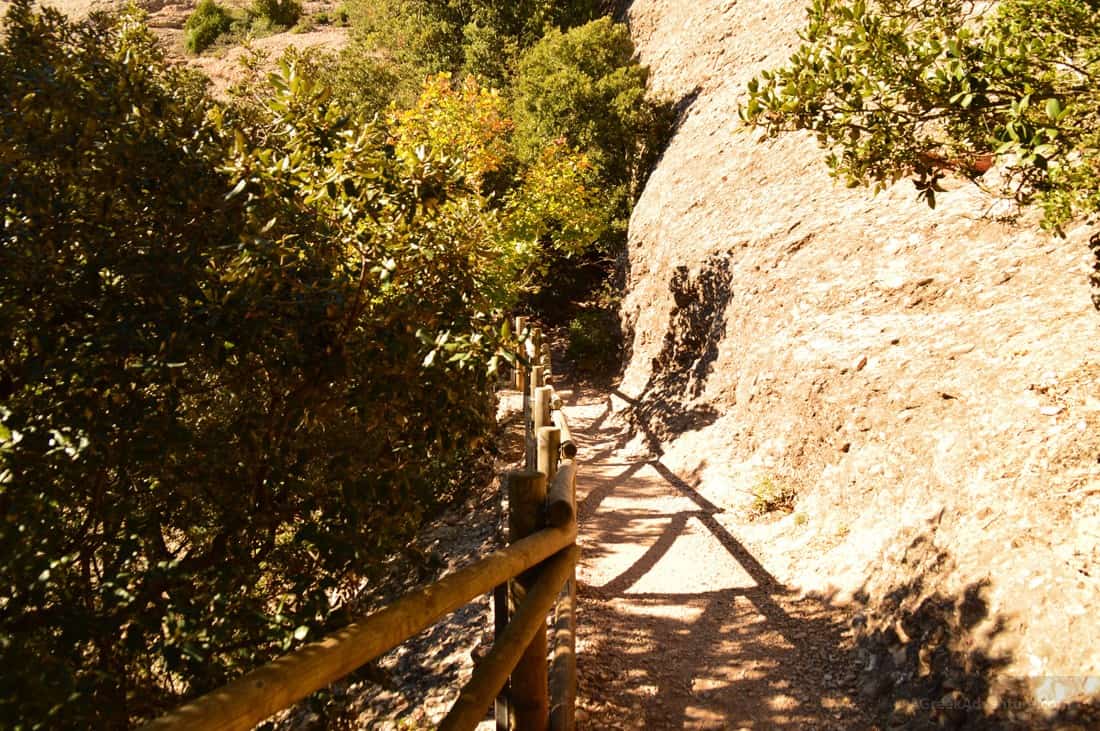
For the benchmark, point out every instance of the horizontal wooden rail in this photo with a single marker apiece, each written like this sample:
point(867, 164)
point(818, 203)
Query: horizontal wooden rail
point(537, 565)
point(568, 446)
point(250, 699)
point(492, 672)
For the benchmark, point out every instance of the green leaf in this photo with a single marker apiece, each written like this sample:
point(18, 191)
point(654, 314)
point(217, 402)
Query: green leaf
point(1054, 109)
point(240, 186)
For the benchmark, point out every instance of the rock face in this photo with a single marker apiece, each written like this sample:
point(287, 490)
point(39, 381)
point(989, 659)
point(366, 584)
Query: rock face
point(928, 381)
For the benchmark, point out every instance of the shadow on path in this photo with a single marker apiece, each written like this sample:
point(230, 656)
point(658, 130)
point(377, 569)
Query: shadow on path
point(683, 627)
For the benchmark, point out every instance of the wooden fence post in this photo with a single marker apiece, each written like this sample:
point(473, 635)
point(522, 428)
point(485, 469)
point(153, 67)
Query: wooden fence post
point(563, 659)
point(540, 410)
point(549, 449)
point(563, 650)
point(530, 685)
point(545, 357)
point(520, 375)
point(533, 422)
point(501, 711)
point(536, 342)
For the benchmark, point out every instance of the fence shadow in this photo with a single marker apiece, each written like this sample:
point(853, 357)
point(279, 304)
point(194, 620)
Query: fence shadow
point(695, 656)
point(661, 649)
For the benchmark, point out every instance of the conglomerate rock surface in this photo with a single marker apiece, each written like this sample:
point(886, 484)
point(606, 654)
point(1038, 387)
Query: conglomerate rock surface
point(926, 382)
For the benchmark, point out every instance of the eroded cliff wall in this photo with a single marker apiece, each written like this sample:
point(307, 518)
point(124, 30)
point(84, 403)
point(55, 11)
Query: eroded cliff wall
point(928, 382)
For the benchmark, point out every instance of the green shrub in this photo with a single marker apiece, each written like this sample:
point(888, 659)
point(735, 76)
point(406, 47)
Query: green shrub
point(896, 88)
point(205, 25)
point(483, 37)
point(245, 352)
point(283, 13)
point(594, 342)
point(771, 494)
point(585, 86)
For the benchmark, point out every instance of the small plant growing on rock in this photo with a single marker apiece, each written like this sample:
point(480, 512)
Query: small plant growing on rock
point(771, 494)
point(205, 25)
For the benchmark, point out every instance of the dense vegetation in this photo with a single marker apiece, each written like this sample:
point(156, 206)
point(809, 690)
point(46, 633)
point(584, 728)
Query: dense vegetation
point(479, 37)
point(249, 345)
point(568, 75)
point(210, 21)
point(897, 88)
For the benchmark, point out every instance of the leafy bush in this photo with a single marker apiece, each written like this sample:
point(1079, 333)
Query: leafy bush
point(584, 86)
point(594, 341)
point(246, 351)
point(205, 25)
point(482, 37)
point(284, 13)
point(896, 88)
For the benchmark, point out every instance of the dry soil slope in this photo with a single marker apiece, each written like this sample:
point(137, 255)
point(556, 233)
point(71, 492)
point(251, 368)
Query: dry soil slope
point(927, 380)
point(222, 63)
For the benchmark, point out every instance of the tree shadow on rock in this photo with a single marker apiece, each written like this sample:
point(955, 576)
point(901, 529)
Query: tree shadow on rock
point(680, 370)
point(927, 660)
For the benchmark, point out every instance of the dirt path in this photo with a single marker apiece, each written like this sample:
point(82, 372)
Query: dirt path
point(680, 626)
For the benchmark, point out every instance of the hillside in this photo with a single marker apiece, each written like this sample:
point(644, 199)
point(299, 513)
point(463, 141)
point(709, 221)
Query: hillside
point(221, 63)
point(924, 381)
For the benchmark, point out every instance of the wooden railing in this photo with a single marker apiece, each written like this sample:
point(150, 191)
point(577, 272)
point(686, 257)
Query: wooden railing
point(531, 578)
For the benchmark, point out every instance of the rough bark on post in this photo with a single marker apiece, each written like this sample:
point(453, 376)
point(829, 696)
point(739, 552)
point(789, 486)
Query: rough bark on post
point(530, 685)
point(549, 448)
point(545, 358)
point(540, 409)
point(521, 376)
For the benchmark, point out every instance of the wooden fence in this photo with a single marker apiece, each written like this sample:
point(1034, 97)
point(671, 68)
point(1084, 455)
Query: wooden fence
point(529, 673)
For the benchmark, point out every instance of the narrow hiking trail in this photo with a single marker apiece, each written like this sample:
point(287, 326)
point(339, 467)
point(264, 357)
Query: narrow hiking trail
point(680, 626)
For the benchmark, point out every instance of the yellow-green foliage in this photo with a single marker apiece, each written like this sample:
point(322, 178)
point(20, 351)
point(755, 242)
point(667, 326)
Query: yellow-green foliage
point(896, 88)
point(246, 350)
point(771, 494)
point(584, 86)
point(205, 25)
